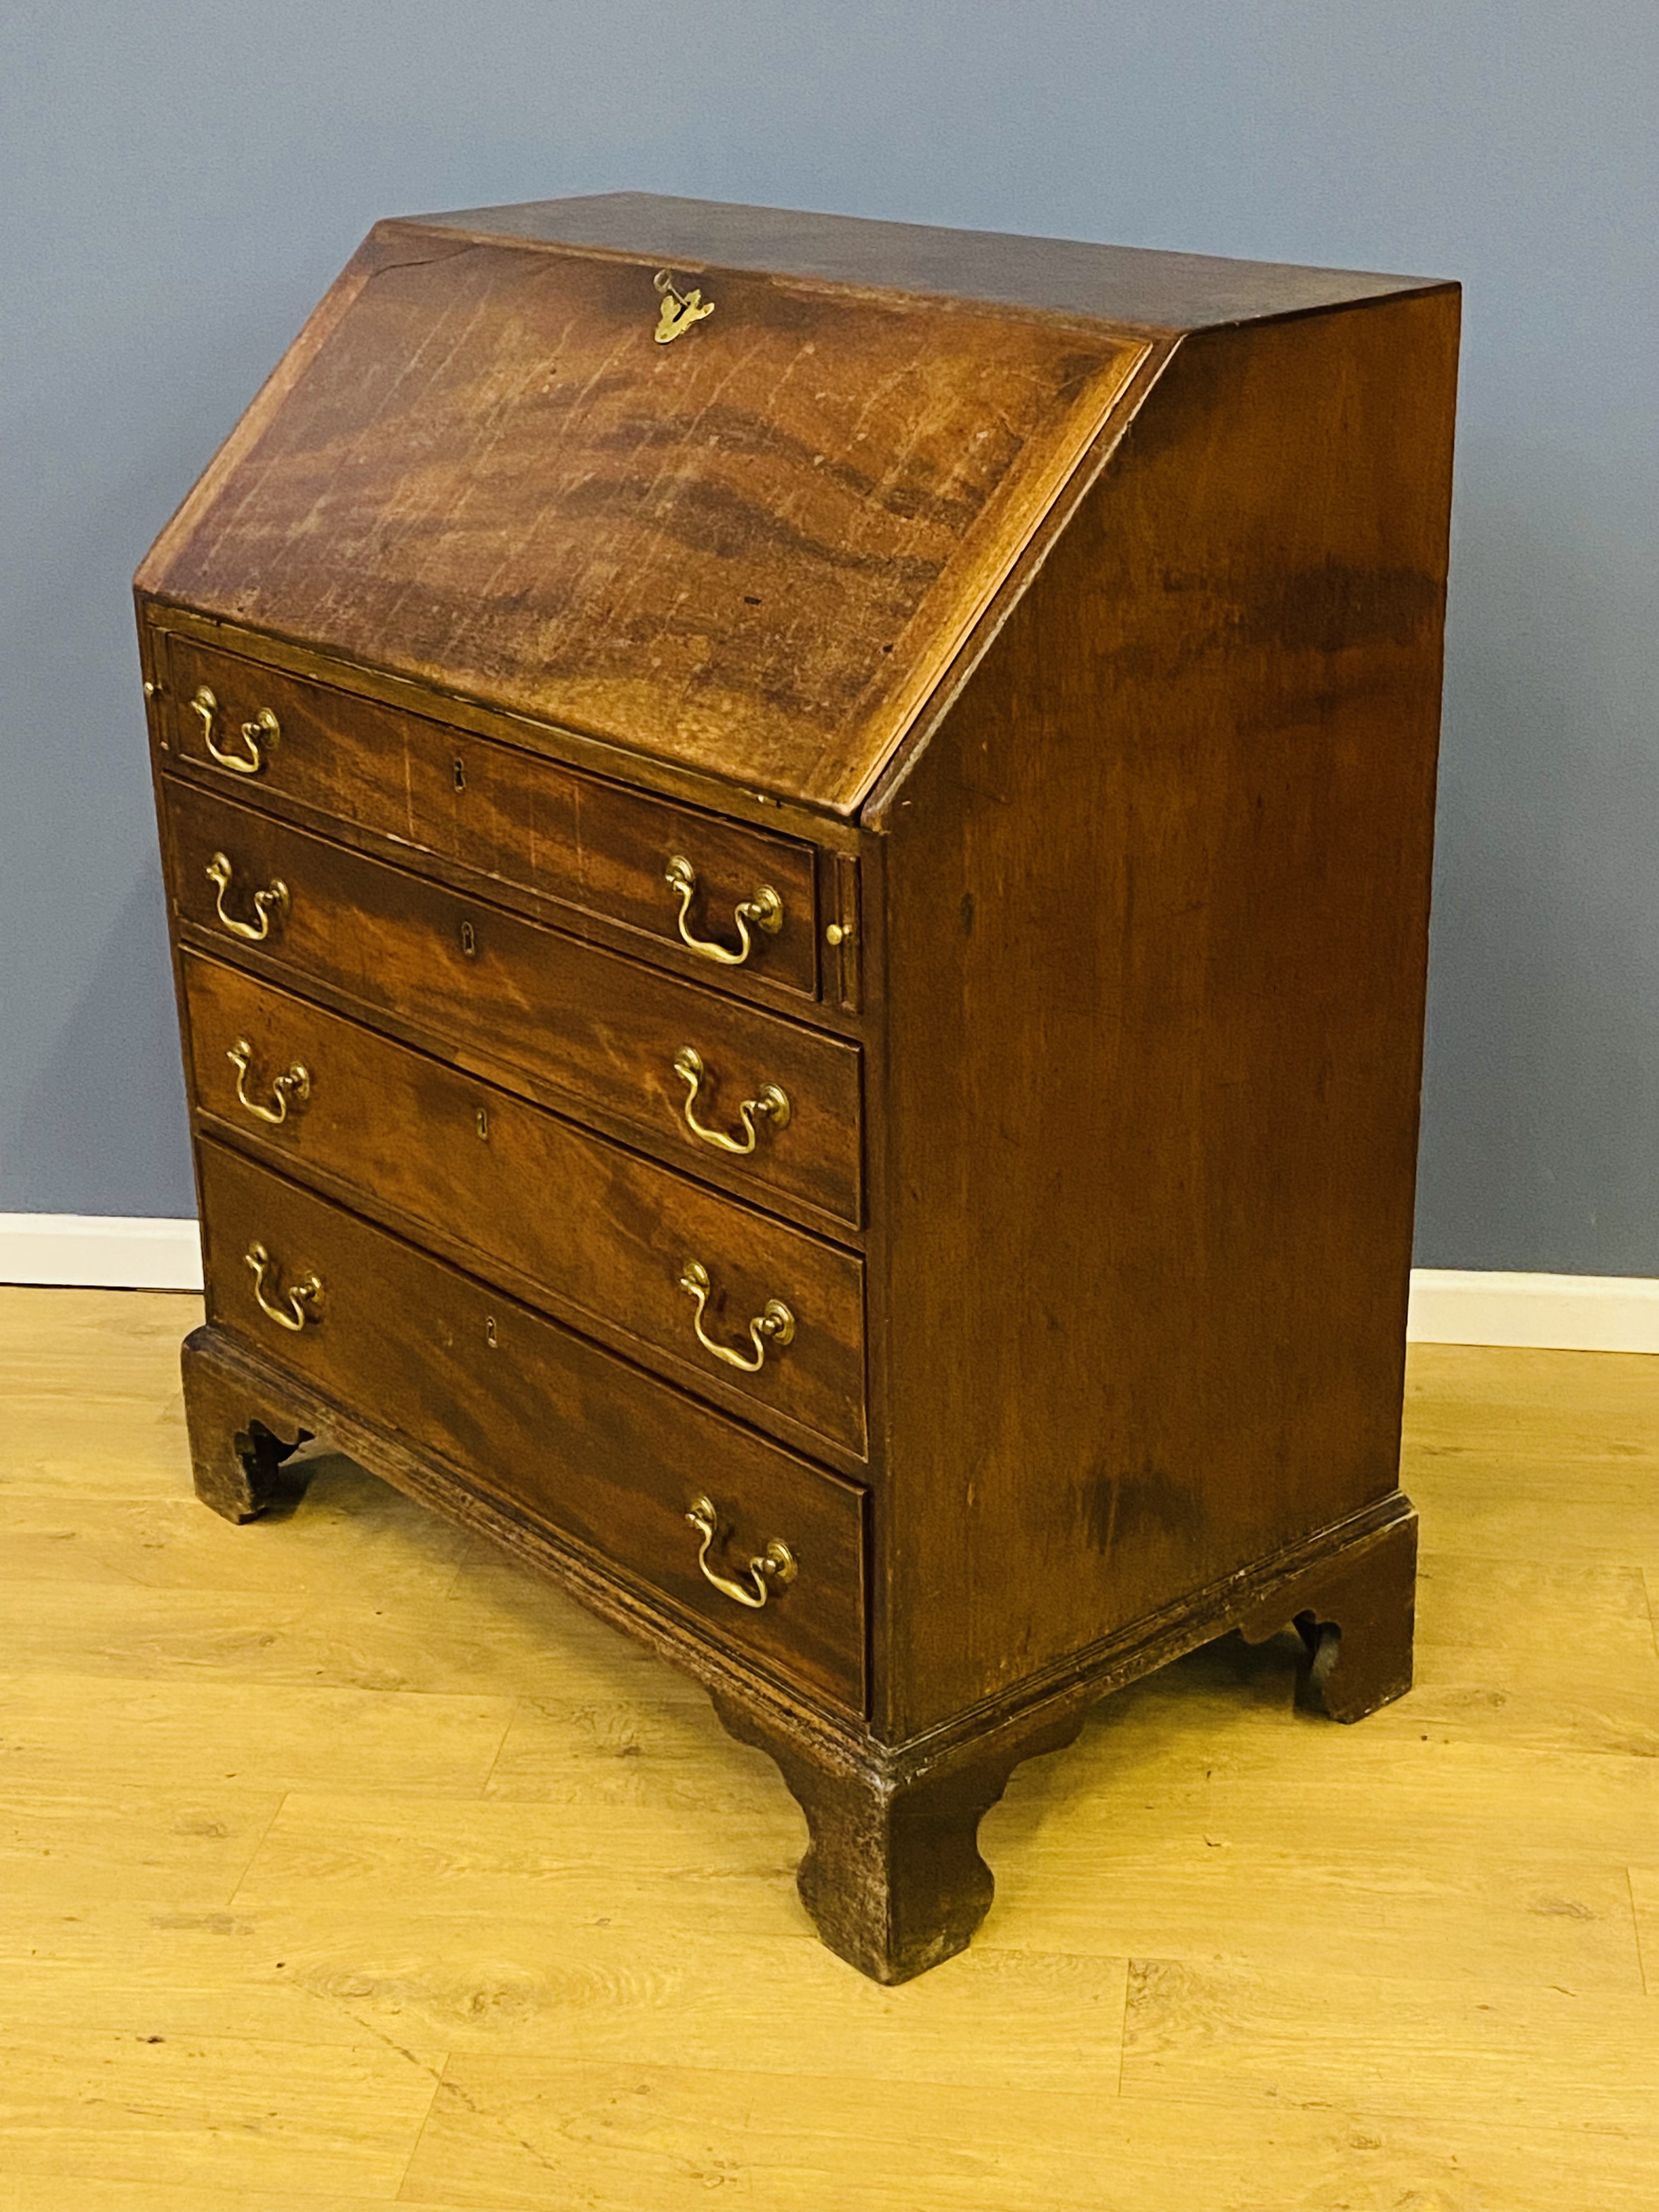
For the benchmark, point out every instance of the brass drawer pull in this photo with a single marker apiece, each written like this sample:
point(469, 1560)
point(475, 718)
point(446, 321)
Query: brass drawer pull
point(776, 1565)
point(764, 909)
point(303, 1302)
point(263, 732)
point(772, 1103)
point(776, 1325)
point(286, 1090)
point(265, 903)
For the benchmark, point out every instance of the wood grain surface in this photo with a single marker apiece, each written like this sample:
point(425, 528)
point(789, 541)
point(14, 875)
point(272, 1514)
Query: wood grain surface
point(1239, 1958)
point(533, 1415)
point(428, 788)
point(601, 1031)
point(1150, 1114)
point(754, 550)
point(584, 1227)
point(1123, 647)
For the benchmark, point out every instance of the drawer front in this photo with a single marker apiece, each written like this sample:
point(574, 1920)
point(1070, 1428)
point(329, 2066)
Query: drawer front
point(540, 1419)
point(600, 1228)
point(511, 815)
point(602, 1030)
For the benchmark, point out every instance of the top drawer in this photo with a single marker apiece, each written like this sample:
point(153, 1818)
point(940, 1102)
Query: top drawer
point(742, 904)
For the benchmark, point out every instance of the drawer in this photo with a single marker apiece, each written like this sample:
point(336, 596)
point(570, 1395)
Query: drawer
point(601, 1229)
point(608, 1033)
point(537, 1418)
point(514, 816)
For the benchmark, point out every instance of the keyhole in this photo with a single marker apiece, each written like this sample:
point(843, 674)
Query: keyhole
point(482, 1118)
point(460, 775)
point(489, 1332)
point(469, 940)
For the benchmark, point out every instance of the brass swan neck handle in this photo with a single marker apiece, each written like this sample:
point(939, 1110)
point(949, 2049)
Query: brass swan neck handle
point(771, 1103)
point(288, 1090)
point(773, 1324)
point(302, 1303)
point(262, 734)
point(270, 904)
point(770, 1569)
point(764, 909)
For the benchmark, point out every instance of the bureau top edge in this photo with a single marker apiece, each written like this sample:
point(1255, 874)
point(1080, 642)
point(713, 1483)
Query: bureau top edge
point(1137, 288)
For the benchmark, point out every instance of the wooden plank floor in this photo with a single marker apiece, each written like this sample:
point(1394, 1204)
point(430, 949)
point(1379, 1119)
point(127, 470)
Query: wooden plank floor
point(341, 1867)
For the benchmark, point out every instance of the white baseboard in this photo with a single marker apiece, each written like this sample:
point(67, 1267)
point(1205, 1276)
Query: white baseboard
point(100, 1251)
point(1448, 1305)
point(1562, 1313)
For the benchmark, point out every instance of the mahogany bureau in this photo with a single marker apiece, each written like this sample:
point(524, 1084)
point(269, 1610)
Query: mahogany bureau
point(799, 854)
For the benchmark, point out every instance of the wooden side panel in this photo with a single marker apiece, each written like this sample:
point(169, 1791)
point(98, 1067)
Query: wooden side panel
point(1156, 924)
point(752, 550)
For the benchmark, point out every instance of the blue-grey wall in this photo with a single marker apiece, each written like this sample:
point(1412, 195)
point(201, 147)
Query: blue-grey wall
point(178, 182)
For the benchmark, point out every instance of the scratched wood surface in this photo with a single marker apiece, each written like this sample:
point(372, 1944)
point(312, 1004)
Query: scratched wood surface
point(1182, 1006)
point(488, 990)
point(405, 783)
point(583, 1228)
point(538, 1419)
point(754, 549)
point(340, 1866)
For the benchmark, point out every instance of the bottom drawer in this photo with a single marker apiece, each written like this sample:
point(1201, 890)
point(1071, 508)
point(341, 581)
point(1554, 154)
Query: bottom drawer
point(543, 1421)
